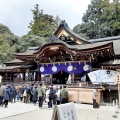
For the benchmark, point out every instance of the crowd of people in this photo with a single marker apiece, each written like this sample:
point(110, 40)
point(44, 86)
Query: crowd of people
point(33, 93)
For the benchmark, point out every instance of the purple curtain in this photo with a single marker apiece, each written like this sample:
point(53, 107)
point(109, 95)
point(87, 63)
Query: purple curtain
point(75, 67)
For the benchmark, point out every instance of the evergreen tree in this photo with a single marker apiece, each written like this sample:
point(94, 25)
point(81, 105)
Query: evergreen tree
point(8, 44)
point(115, 18)
point(43, 25)
point(102, 19)
point(30, 41)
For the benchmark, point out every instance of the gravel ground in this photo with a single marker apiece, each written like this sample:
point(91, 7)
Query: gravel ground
point(83, 111)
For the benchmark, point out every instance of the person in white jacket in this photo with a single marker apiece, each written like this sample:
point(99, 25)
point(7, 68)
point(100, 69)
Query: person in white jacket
point(94, 97)
point(47, 95)
point(58, 95)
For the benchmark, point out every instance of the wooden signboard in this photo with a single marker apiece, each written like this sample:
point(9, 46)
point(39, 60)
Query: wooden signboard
point(117, 81)
point(64, 112)
point(117, 78)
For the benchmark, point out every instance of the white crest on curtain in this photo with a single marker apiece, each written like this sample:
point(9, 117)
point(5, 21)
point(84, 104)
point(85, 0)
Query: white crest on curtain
point(54, 68)
point(86, 67)
point(70, 67)
point(42, 69)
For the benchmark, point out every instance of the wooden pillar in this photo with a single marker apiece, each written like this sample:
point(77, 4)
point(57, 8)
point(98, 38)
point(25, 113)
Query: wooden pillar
point(11, 77)
point(34, 76)
point(73, 77)
point(110, 96)
point(102, 99)
point(51, 77)
point(23, 76)
point(38, 76)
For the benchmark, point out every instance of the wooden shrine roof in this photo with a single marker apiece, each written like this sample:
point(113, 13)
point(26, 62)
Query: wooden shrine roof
point(63, 29)
point(75, 47)
point(86, 45)
point(107, 46)
point(48, 50)
point(114, 39)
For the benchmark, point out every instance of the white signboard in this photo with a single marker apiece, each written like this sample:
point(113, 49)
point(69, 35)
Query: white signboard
point(1, 79)
point(65, 112)
point(99, 76)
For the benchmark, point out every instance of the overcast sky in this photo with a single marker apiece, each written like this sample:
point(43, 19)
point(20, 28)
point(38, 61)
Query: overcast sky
point(17, 14)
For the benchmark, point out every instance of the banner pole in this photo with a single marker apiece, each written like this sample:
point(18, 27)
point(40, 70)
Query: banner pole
point(119, 93)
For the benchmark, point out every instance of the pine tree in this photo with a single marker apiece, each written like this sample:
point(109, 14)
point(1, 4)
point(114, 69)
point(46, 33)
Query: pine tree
point(43, 25)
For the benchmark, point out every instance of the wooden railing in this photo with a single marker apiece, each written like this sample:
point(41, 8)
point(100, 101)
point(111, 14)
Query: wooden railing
point(21, 82)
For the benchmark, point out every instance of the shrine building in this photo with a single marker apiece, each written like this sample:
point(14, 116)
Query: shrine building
point(67, 55)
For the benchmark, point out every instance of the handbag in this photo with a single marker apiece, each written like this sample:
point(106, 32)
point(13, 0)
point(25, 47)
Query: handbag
point(47, 99)
point(25, 93)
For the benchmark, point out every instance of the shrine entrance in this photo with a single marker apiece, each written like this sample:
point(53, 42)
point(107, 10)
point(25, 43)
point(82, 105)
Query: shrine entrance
point(60, 77)
point(61, 71)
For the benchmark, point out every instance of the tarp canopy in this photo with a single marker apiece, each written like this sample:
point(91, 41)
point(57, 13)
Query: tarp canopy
point(101, 76)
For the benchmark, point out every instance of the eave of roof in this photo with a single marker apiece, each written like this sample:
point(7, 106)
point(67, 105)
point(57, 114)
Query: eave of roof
point(112, 62)
point(114, 39)
point(89, 46)
point(33, 48)
point(15, 67)
point(9, 67)
point(77, 47)
point(105, 39)
point(57, 43)
point(27, 53)
point(14, 61)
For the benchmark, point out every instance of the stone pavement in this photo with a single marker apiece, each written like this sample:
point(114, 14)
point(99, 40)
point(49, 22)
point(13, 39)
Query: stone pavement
point(22, 111)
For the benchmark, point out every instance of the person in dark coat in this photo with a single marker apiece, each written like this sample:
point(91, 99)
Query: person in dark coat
point(10, 90)
point(31, 95)
point(35, 95)
point(6, 97)
point(21, 92)
point(13, 95)
point(54, 97)
point(51, 96)
point(28, 90)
